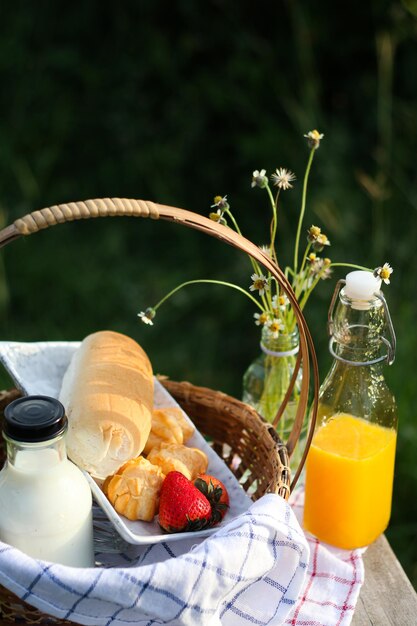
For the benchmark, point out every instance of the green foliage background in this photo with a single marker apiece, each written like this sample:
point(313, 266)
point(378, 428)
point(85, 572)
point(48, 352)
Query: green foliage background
point(178, 102)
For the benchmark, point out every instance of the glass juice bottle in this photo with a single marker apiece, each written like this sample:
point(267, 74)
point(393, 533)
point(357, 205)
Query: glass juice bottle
point(350, 464)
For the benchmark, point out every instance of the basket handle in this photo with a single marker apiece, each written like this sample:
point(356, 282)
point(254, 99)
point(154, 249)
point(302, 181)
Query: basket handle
point(106, 207)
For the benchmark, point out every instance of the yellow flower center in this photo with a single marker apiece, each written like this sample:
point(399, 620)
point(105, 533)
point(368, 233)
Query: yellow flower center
point(322, 239)
point(315, 231)
point(275, 327)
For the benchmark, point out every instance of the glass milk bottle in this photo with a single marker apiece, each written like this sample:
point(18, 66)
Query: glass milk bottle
point(45, 500)
point(350, 464)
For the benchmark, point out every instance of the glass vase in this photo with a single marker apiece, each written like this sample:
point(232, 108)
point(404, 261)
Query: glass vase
point(266, 382)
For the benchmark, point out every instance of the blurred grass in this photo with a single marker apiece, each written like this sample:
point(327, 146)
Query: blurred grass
point(183, 104)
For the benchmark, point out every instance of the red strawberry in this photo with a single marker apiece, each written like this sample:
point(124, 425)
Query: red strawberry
point(216, 494)
point(182, 507)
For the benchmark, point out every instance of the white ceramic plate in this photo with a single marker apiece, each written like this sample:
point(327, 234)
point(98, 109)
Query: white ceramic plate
point(38, 368)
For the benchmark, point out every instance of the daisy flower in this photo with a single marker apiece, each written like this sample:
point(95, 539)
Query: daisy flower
point(313, 232)
point(265, 250)
point(321, 267)
point(283, 178)
point(322, 241)
point(260, 283)
point(220, 203)
point(275, 326)
point(218, 217)
point(384, 273)
point(280, 302)
point(313, 138)
point(261, 318)
point(259, 179)
point(147, 316)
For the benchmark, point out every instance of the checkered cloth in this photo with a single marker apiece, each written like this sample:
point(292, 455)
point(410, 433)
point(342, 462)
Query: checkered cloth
point(334, 579)
point(259, 569)
point(249, 572)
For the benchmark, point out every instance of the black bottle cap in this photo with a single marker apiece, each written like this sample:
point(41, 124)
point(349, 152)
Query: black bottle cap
point(34, 419)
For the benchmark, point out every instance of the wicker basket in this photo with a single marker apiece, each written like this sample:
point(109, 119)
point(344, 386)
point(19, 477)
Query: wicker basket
point(235, 430)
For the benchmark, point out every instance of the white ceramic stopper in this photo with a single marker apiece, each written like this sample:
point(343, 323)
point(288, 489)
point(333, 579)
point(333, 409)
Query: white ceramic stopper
point(361, 287)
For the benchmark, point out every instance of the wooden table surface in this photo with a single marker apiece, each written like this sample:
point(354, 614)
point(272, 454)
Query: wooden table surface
point(387, 597)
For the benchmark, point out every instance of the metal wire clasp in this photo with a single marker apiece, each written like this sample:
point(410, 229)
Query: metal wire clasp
point(391, 345)
point(330, 324)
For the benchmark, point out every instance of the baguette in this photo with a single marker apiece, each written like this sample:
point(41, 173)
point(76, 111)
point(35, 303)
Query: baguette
point(107, 392)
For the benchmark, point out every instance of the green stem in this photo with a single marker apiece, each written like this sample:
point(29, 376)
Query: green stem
point(266, 300)
point(295, 284)
point(307, 250)
point(204, 280)
point(274, 223)
point(308, 293)
point(235, 224)
point(356, 267)
point(303, 207)
point(254, 263)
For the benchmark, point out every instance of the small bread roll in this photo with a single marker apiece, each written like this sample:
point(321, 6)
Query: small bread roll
point(134, 489)
point(164, 429)
point(177, 414)
point(168, 426)
point(174, 456)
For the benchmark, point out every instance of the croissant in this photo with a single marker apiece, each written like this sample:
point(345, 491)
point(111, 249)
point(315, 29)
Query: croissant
point(134, 489)
point(185, 425)
point(168, 426)
point(173, 456)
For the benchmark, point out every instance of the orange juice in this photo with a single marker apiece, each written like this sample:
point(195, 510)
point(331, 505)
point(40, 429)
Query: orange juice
point(349, 476)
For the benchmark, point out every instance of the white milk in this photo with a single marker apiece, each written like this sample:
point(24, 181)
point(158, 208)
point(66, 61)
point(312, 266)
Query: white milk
point(45, 507)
